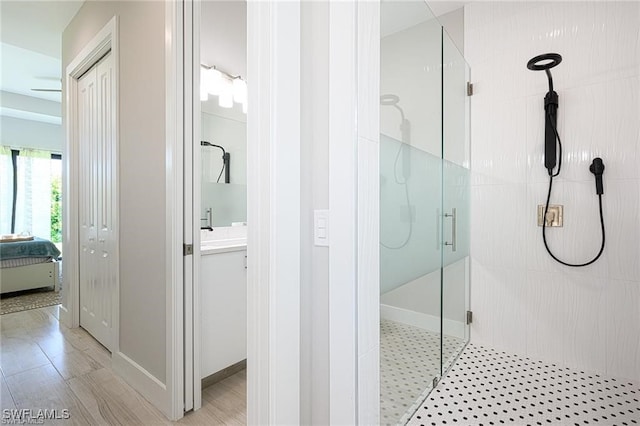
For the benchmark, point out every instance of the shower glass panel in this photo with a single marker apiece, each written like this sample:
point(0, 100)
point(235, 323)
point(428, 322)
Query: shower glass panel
point(455, 202)
point(410, 207)
point(424, 206)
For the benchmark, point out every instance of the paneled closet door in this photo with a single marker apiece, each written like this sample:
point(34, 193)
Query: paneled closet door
point(98, 271)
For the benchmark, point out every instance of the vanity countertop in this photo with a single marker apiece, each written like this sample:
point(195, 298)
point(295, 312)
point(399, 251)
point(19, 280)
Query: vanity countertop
point(223, 239)
point(222, 246)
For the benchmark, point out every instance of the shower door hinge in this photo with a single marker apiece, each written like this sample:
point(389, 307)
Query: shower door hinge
point(469, 317)
point(469, 88)
point(187, 249)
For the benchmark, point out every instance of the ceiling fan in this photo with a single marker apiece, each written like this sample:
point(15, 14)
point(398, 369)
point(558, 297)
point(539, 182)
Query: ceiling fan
point(48, 89)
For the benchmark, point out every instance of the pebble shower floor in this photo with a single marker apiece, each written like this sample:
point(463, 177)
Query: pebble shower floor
point(488, 387)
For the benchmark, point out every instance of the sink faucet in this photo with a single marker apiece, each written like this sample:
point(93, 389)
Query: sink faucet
point(209, 220)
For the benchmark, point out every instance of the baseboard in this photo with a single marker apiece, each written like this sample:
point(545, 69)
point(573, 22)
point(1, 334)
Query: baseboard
point(152, 389)
point(422, 320)
point(224, 373)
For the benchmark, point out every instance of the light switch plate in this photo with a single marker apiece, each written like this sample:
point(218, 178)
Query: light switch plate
point(554, 215)
point(321, 228)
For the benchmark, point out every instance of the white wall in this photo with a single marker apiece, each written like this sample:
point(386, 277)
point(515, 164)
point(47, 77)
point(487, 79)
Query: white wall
point(523, 301)
point(142, 165)
point(314, 186)
point(29, 122)
point(19, 133)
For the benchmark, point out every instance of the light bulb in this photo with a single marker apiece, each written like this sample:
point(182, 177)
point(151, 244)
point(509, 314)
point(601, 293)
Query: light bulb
point(225, 98)
point(204, 94)
point(213, 81)
point(239, 90)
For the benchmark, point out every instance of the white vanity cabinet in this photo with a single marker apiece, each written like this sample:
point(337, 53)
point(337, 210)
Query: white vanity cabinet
point(223, 304)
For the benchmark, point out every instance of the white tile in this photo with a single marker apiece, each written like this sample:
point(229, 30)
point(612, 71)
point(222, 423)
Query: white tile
point(545, 315)
point(498, 145)
point(410, 358)
point(509, 320)
point(581, 233)
point(482, 291)
point(622, 325)
point(488, 387)
point(599, 87)
point(621, 207)
point(584, 341)
point(498, 220)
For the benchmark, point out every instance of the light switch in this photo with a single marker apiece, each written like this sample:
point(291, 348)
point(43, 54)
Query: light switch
point(321, 228)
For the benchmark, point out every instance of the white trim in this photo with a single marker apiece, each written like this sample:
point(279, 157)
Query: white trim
point(174, 209)
point(343, 274)
point(141, 380)
point(368, 166)
point(192, 203)
point(273, 212)
point(422, 320)
point(104, 41)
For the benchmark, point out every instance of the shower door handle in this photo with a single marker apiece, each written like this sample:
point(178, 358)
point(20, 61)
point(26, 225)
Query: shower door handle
point(454, 225)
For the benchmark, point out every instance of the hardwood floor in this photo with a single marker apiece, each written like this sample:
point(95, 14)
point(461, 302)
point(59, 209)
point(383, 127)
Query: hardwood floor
point(45, 365)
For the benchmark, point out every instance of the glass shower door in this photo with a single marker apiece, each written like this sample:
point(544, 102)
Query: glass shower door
point(410, 207)
point(455, 202)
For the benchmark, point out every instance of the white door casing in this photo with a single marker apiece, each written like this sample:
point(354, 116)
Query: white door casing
point(98, 276)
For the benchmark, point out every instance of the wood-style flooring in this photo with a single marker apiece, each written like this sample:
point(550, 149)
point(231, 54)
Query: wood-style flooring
point(46, 365)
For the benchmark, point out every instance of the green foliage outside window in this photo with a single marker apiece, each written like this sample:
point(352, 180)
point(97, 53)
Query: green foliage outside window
point(56, 211)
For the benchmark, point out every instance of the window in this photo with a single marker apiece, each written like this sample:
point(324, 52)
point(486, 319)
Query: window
point(30, 199)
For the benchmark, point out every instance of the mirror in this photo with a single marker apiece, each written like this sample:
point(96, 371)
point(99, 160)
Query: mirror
point(223, 116)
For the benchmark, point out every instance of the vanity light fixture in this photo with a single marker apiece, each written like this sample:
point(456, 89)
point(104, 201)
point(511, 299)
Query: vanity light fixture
point(228, 88)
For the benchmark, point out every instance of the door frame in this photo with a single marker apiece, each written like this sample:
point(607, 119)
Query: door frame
point(273, 212)
point(354, 212)
point(273, 209)
point(104, 41)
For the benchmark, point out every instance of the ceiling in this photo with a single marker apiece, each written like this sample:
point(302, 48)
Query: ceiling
point(401, 14)
point(31, 39)
point(31, 48)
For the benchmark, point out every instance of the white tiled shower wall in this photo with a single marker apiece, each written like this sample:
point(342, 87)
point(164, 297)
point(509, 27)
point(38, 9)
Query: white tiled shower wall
point(523, 301)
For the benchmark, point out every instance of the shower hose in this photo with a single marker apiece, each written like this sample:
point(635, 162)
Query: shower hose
point(546, 209)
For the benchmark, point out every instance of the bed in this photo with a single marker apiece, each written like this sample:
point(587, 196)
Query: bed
point(28, 263)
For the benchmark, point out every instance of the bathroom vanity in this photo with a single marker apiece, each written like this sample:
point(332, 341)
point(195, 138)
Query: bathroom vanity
point(223, 298)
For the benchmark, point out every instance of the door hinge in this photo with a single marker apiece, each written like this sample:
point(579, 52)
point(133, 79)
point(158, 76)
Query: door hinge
point(469, 317)
point(469, 88)
point(187, 249)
